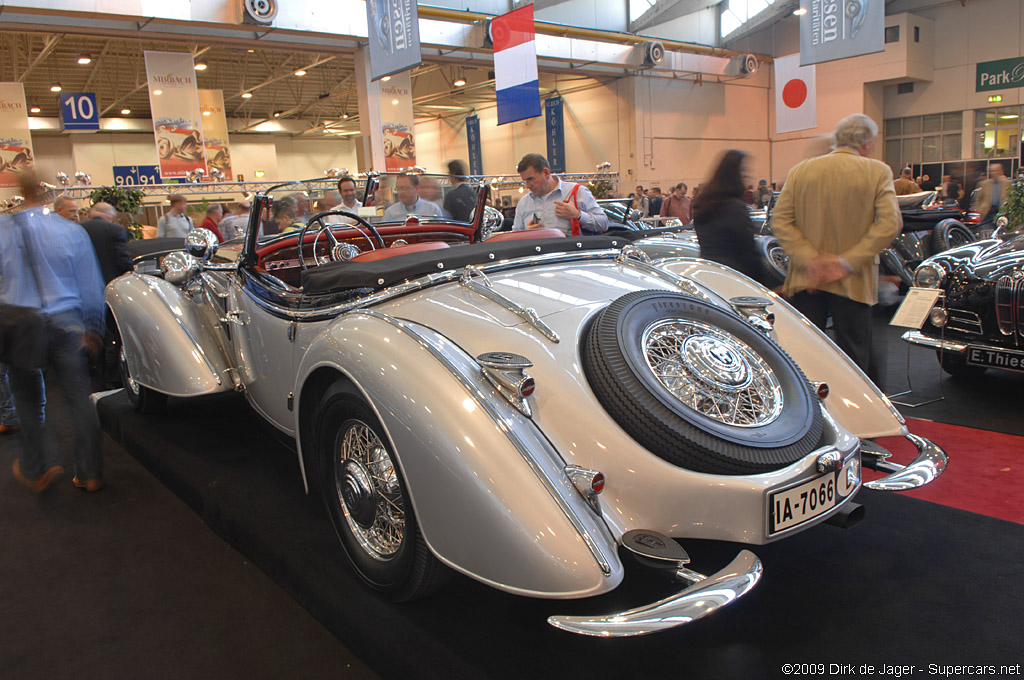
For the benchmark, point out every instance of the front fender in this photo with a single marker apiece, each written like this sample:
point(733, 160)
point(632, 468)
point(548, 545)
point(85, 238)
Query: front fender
point(168, 345)
point(488, 489)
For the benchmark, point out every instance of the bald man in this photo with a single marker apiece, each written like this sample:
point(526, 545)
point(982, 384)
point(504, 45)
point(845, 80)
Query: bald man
point(66, 207)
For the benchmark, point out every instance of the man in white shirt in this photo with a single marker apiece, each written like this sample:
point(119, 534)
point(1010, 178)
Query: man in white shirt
point(409, 201)
point(234, 225)
point(175, 224)
point(551, 202)
point(347, 189)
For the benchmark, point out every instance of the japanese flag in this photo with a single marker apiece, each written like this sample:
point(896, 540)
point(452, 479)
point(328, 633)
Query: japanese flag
point(795, 107)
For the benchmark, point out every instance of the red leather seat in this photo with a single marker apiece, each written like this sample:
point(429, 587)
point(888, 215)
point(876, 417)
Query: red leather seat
point(526, 234)
point(382, 253)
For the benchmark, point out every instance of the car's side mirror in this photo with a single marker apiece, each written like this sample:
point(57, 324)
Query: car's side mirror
point(201, 244)
point(179, 268)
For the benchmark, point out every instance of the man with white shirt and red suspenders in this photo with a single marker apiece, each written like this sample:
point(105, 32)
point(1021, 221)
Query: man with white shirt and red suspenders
point(553, 203)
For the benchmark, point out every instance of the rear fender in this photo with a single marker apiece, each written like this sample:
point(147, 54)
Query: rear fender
point(169, 346)
point(488, 489)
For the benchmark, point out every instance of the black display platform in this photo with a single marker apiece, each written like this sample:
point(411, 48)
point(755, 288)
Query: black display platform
point(915, 583)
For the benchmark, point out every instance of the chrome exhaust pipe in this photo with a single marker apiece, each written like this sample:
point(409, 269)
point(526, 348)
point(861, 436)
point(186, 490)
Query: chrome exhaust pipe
point(848, 516)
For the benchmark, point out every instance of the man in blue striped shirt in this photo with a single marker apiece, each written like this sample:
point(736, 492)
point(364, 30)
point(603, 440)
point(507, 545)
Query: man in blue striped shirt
point(48, 263)
point(553, 203)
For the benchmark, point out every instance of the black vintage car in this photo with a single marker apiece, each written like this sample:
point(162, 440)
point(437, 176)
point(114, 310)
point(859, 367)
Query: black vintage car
point(978, 321)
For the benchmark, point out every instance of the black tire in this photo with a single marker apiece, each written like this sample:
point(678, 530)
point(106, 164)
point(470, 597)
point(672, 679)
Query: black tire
point(956, 365)
point(950, 233)
point(616, 365)
point(774, 261)
point(143, 399)
point(356, 503)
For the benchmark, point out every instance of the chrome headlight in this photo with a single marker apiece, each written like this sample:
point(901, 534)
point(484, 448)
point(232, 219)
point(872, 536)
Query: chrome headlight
point(929, 275)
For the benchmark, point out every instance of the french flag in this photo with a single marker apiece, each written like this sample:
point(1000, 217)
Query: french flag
point(515, 65)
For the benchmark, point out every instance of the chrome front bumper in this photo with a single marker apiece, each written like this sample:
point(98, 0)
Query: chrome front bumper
point(929, 463)
point(697, 601)
point(919, 338)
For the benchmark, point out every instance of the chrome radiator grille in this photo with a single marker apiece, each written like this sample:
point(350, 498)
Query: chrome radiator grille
point(1009, 291)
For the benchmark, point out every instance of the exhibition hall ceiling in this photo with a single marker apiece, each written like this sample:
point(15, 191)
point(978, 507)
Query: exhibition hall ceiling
point(323, 98)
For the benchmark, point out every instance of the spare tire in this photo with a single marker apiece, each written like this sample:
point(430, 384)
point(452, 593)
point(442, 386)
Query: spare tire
point(698, 386)
point(950, 233)
point(774, 260)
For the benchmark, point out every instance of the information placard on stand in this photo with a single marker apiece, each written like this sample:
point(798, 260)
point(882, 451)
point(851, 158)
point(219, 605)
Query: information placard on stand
point(912, 313)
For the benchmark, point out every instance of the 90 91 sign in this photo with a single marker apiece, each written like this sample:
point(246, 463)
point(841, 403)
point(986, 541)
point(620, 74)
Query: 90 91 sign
point(132, 175)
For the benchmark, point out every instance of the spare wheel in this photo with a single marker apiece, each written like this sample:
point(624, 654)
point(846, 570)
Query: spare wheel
point(698, 386)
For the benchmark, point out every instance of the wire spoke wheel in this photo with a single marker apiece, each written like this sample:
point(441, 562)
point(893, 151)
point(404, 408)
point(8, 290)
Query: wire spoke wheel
point(365, 475)
point(713, 373)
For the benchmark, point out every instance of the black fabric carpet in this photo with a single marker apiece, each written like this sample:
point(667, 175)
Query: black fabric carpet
point(915, 583)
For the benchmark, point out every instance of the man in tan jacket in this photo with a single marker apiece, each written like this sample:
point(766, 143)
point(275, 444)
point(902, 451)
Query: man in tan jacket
point(992, 193)
point(836, 214)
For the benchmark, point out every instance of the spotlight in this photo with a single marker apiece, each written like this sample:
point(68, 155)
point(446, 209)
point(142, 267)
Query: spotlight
point(344, 115)
point(125, 112)
point(201, 66)
point(56, 88)
point(461, 82)
point(84, 59)
point(277, 114)
point(158, 92)
point(300, 73)
point(35, 109)
point(247, 95)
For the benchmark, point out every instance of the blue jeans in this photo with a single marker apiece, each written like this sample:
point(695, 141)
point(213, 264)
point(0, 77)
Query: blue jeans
point(8, 414)
point(68, 367)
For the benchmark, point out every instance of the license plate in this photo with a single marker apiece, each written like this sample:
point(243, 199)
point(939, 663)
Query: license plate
point(798, 504)
point(1006, 359)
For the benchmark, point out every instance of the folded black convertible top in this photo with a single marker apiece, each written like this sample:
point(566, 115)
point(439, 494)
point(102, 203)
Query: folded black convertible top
point(338, 276)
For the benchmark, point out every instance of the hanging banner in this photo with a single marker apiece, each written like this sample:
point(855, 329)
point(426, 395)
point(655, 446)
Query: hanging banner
point(795, 95)
point(515, 65)
point(476, 158)
point(555, 133)
point(15, 139)
point(394, 36)
point(174, 104)
point(78, 111)
point(215, 132)
point(397, 123)
point(831, 29)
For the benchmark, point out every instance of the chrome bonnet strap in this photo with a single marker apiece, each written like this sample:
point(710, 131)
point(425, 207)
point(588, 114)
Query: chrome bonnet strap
point(475, 280)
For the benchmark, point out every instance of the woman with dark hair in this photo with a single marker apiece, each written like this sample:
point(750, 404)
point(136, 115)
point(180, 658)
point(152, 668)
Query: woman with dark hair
point(722, 221)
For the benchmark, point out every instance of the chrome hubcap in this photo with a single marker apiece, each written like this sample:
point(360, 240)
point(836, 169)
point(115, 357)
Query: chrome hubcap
point(712, 372)
point(369, 493)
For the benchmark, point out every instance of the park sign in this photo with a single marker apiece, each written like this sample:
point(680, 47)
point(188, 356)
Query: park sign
point(1000, 75)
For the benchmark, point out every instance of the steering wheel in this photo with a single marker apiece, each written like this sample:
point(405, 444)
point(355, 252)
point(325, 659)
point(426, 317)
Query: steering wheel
point(333, 242)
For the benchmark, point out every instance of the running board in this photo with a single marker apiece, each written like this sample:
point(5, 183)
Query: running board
point(700, 599)
point(930, 462)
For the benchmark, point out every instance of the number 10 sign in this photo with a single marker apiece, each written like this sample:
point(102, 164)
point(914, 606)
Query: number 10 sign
point(78, 111)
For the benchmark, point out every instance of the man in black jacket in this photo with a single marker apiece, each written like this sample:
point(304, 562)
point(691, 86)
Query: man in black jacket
point(110, 241)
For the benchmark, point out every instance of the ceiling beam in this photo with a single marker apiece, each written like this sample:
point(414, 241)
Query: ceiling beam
point(48, 46)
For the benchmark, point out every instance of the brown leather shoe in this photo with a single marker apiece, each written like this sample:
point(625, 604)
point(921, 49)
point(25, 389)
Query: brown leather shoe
point(40, 483)
point(89, 485)
point(9, 429)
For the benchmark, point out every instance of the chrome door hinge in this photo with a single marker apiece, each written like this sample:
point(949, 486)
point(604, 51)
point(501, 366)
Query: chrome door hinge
point(291, 401)
point(292, 325)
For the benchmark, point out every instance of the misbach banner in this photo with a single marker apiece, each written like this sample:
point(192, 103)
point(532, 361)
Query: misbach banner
point(1000, 75)
point(15, 139)
point(393, 35)
point(397, 123)
point(836, 29)
point(215, 132)
point(174, 103)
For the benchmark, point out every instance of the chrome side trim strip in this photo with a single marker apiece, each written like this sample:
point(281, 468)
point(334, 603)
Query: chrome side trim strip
point(919, 338)
point(930, 462)
point(188, 333)
point(486, 402)
point(651, 269)
point(690, 604)
point(486, 289)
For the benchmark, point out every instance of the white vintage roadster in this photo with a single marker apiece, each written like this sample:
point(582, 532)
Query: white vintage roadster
point(529, 410)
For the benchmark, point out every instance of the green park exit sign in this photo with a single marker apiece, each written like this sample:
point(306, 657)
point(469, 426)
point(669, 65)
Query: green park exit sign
point(1000, 75)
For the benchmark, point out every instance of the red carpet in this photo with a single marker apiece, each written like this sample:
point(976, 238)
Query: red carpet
point(985, 472)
